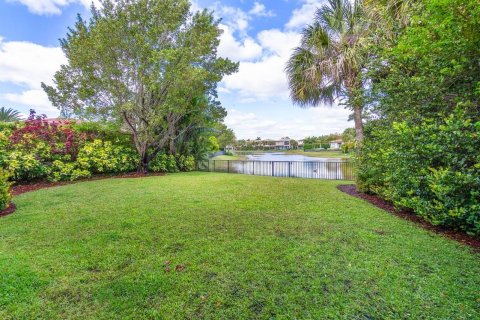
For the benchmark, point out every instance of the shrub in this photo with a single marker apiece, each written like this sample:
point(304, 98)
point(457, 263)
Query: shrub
point(186, 163)
point(167, 163)
point(307, 146)
point(4, 190)
point(104, 157)
point(25, 166)
point(159, 163)
point(431, 167)
point(4, 144)
point(56, 139)
point(172, 164)
point(61, 171)
point(89, 131)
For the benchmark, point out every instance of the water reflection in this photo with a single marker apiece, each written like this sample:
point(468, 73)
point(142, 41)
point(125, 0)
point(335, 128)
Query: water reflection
point(281, 156)
point(321, 168)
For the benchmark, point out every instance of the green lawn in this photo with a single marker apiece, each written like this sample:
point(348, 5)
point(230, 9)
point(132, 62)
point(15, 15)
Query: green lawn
point(246, 248)
point(225, 157)
point(322, 154)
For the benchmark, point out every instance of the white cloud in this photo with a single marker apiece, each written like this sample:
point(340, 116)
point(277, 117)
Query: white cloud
point(262, 80)
point(235, 18)
point(237, 50)
point(303, 123)
point(279, 42)
point(194, 6)
point(305, 14)
point(33, 99)
point(265, 78)
point(28, 64)
point(52, 7)
point(260, 10)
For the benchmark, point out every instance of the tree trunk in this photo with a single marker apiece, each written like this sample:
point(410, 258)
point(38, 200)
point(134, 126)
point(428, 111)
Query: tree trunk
point(143, 163)
point(173, 148)
point(357, 117)
point(354, 88)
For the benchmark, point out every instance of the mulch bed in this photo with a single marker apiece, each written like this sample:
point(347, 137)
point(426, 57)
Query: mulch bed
point(10, 209)
point(23, 188)
point(408, 215)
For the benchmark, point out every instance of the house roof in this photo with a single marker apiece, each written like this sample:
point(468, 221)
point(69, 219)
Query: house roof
point(337, 141)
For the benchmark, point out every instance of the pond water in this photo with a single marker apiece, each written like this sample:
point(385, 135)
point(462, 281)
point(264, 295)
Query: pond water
point(279, 164)
point(281, 156)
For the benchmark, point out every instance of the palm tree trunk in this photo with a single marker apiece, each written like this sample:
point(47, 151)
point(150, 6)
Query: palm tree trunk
point(357, 117)
point(354, 88)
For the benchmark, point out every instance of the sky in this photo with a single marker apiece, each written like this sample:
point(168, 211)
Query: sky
point(260, 34)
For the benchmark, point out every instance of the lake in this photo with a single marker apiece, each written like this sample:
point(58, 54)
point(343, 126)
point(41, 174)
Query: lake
point(279, 164)
point(282, 156)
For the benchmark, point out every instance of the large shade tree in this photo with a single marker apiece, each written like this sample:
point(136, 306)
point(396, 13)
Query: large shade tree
point(144, 64)
point(328, 63)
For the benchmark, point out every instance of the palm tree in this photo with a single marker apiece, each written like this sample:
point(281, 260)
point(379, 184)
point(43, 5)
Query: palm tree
point(328, 63)
point(9, 115)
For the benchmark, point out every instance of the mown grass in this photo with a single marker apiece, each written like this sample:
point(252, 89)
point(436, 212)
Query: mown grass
point(245, 247)
point(226, 157)
point(322, 154)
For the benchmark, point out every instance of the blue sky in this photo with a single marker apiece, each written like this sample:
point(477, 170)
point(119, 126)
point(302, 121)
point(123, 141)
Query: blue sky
point(260, 34)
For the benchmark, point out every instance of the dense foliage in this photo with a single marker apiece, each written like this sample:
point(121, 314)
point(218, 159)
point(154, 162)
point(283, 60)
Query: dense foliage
point(31, 148)
point(432, 167)
point(421, 149)
point(4, 190)
point(105, 157)
point(63, 150)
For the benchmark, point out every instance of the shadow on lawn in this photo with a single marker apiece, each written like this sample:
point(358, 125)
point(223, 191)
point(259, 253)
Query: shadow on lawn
point(28, 187)
point(461, 237)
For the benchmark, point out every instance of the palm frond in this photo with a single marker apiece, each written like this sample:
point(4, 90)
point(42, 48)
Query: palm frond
point(330, 56)
point(9, 115)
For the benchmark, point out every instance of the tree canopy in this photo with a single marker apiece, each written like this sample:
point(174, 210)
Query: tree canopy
point(328, 63)
point(148, 65)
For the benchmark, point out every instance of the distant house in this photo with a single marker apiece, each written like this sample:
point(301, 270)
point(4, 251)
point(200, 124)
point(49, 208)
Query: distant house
point(283, 144)
point(229, 148)
point(300, 144)
point(336, 144)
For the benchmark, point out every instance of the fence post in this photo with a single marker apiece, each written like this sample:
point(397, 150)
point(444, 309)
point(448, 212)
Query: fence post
point(214, 165)
point(228, 166)
point(289, 168)
point(253, 167)
point(273, 169)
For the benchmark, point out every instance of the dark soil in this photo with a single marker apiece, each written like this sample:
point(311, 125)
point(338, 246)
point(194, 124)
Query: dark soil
point(23, 188)
point(461, 237)
point(10, 209)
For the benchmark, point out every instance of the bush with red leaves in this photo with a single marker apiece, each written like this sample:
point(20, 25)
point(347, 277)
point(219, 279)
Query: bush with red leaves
point(59, 136)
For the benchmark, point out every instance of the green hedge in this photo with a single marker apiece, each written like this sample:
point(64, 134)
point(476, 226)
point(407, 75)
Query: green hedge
point(431, 167)
point(37, 150)
point(4, 190)
point(169, 163)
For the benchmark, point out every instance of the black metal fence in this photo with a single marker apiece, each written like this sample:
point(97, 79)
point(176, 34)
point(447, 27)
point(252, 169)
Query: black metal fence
point(329, 170)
